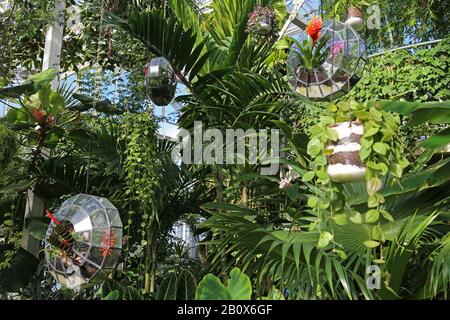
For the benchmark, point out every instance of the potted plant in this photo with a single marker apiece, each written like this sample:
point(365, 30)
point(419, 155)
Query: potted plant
point(353, 11)
point(355, 18)
point(356, 142)
point(344, 162)
point(262, 21)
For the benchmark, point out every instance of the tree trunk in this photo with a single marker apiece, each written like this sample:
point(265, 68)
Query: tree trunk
point(244, 194)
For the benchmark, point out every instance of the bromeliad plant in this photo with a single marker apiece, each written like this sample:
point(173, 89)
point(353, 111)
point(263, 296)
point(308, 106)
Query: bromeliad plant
point(381, 149)
point(313, 51)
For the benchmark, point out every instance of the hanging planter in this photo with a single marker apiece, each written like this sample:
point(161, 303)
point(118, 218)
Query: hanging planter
point(355, 18)
point(262, 21)
point(83, 241)
point(356, 142)
point(160, 81)
point(344, 163)
point(265, 25)
point(327, 62)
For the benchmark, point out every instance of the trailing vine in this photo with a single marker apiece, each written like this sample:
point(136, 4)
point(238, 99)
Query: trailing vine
point(140, 164)
point(8, 146)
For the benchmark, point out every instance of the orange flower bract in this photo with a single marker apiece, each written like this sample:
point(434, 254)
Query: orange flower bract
point(314, 27)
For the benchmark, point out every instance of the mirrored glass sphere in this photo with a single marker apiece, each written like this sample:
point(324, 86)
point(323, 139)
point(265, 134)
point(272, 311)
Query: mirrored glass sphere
point(85, 242)
point(160, 81)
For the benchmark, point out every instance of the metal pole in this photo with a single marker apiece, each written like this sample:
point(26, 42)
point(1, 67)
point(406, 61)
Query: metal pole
point(406, 47)
point(52, 57)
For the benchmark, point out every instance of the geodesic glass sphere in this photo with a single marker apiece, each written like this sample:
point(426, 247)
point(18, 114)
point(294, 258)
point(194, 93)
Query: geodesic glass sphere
point(160, 81)
point(83, 247)
point(338, 74)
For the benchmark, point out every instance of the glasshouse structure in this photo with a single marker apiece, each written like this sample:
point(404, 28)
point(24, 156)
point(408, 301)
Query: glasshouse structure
point(181, 149)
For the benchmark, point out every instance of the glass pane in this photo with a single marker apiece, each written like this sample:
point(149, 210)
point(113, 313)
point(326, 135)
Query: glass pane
point(68, 202)
point(88, 270)
point(101, 275)
point(117, 235)
point(98, 218)
point(100, 237)
point(105, 202)
point(66, 213)
point(81, 249)
point(111, 258)
point(114, 217)
point(81, 199)
point(96, 255)
point(92, 205)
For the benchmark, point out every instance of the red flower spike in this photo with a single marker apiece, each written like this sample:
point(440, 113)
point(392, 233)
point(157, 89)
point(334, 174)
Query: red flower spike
point(313, 28)
point(38, 115)
point(52, 217)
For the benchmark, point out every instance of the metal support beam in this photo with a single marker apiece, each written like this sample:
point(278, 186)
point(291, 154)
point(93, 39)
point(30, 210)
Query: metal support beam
point(52, 57)
point(53, 40)
point(415, 45)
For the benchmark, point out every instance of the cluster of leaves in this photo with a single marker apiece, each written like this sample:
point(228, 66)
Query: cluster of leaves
point(420, 76)
point(23, 27)
point(403, 22)
point(310, 56)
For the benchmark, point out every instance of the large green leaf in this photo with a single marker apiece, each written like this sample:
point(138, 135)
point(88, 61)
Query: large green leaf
point(168, 288)
point(186, 285)
point(20, 269)
point(436, 112)
point(437, 140)
point(37, 227)
point(239, 287)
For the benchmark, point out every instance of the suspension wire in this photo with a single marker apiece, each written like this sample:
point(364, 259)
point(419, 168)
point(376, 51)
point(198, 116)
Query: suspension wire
point(97, 79)
point(348, 29)
point(88, 170)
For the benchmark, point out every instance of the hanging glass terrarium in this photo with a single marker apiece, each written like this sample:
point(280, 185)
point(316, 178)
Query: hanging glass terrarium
point(84, 241)
point(334, 70)
point(160, 81)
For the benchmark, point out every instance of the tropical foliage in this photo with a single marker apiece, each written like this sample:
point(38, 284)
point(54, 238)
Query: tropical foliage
point(292, 235)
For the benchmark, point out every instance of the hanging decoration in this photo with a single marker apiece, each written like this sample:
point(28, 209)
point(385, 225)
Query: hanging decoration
point(355, 18)
point(344, 163)
point(262, 21)
point(326, 61)
point(160, 81)
point(83, 241)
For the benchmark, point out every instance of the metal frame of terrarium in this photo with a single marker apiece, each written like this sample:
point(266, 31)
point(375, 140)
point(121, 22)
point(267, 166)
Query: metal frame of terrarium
point(96, 229)
point(160, 81)
point(338, 74)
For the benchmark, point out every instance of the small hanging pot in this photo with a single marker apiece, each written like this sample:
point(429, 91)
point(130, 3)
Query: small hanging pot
point(265, 25)
point(355, 18)
point(344, 164)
